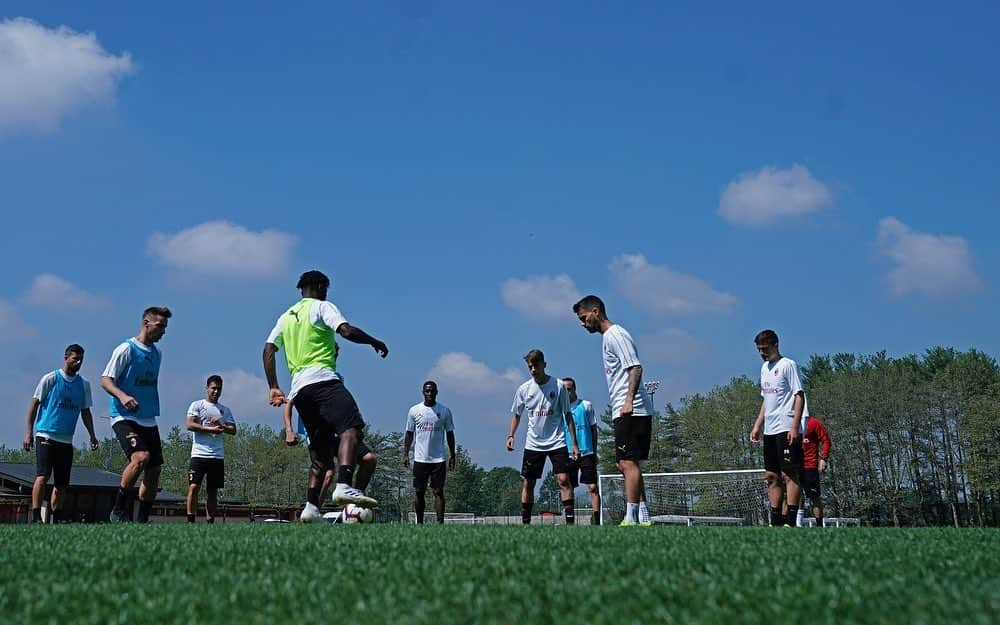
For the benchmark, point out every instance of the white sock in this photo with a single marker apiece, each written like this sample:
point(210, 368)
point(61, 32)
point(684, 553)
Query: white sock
point(630, 512)
point(643, 512)
point(798, 517)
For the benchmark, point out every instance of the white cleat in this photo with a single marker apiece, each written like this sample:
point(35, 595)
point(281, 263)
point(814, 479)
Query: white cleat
point(344, 494)
point(310, 514)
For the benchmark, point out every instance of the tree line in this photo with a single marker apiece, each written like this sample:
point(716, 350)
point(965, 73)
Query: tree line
point(916, 442)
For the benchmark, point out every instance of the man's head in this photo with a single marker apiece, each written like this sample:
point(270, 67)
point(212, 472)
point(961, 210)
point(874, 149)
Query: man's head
point(73, 358)
point(570, 385)
point(590, 311)
point(430, 392)
point(213, 388)
point(313, 284)
point(536, 365)
point(767, 345)
point(154, 322)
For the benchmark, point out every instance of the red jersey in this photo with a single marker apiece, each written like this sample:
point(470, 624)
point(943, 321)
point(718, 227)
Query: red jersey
point(815, 444)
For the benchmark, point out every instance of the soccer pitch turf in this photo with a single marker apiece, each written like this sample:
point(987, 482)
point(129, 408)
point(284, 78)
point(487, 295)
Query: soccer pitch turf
point(241, 574)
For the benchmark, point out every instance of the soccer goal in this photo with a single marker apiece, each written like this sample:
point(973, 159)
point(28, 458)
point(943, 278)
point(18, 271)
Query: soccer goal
point(450, 518)
point(736, 497)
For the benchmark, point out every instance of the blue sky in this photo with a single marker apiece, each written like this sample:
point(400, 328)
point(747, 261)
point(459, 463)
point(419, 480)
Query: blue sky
point(464, 170)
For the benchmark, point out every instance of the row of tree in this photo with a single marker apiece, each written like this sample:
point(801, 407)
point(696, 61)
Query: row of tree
point(916, 442)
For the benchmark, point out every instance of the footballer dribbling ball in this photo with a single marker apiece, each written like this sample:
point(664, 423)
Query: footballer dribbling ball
point(354, 513)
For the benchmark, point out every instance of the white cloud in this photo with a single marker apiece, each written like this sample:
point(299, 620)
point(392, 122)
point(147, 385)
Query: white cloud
point(457, 372)
point(48, 74)
point(771, 194)
point(51, 291)
point(12, 326)
point(657, 288)
point(934, 265)
point(541, 297)
point(670, 346)
point(219, 247)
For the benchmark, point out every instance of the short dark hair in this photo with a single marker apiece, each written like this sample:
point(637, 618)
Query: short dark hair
point(157, 311)
point(570, 380)
point(589, 302)
point(73, 348)
point(766, 337)
point(213, 378)
point(313, 278)
point(431, 382)
point(534, 356)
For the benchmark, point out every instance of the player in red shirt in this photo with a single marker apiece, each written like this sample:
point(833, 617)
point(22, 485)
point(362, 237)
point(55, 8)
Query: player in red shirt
point(815, 451)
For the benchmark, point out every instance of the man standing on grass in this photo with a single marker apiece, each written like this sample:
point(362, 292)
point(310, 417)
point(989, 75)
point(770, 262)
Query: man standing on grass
point(780, 416)
point(584, 470)
point(816, 447)
point(367, 460)
point(307, 333)
point(631, 408)
point(429, 423)
point(545, 400)
point(131, 379)
point(63, 397)
point(206, 420)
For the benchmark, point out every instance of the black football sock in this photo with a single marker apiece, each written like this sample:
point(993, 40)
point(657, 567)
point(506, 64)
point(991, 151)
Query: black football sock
point(777, 519)
point(312, 495)
point(36, 515)
point(145, 507)
point(191, 518)
point(120, 498)
point(526, 512)
point(569, 512)
point(793, 511)
point(345, 474)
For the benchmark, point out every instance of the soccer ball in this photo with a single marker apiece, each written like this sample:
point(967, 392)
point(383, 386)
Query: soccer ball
point(353, 513)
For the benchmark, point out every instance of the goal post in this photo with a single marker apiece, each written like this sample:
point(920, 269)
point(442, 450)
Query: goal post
point(737, 497)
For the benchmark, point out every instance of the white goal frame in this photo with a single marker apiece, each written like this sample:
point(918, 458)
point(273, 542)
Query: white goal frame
point(750, 513)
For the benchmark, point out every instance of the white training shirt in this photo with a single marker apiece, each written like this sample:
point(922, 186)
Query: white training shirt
point(429, 424)
point(205, 444)
point(620, 355)
point(45, 386)
point(546, 407)
point(322, 314)
point(121, 358)
point(779, 383)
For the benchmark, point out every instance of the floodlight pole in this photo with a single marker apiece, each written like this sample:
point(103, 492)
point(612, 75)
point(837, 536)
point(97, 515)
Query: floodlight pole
point(651, 388)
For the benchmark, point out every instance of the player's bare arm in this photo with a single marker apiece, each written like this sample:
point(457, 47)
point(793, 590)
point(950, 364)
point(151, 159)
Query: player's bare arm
point(800, 404)
point(634, 379)
point(109, 386)
point(515, 420)
point(452, 456)
point(357, 335)
point(88, 422)
point(757, 425)
point(574, 451)
point(276, 396)
point(407, 443)
point(291, 437)
point(29, 438)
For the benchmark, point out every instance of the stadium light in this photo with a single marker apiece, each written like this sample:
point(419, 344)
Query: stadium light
point(651, 388)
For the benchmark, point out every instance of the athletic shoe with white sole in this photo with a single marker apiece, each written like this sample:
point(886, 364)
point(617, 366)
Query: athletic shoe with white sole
point(344, 494)
point(310, 514)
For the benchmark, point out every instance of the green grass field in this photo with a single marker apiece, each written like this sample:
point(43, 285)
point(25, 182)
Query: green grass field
point(241, 574)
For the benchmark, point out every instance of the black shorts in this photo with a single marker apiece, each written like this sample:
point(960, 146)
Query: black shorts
point(632, 436)
point(810, 483)
point(330, 459)
point(583, 470)
point(534, 462)
point(134, 437)
point(779, 457)
point(213, 468)
point(327, 409)
point(435, 472)
point(55, 458)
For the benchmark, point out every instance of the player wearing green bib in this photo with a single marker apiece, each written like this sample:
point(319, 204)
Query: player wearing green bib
point(307, 332)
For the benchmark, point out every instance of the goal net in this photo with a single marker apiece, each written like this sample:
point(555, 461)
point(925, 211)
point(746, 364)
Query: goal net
point(450, 518)
point(698, 497)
